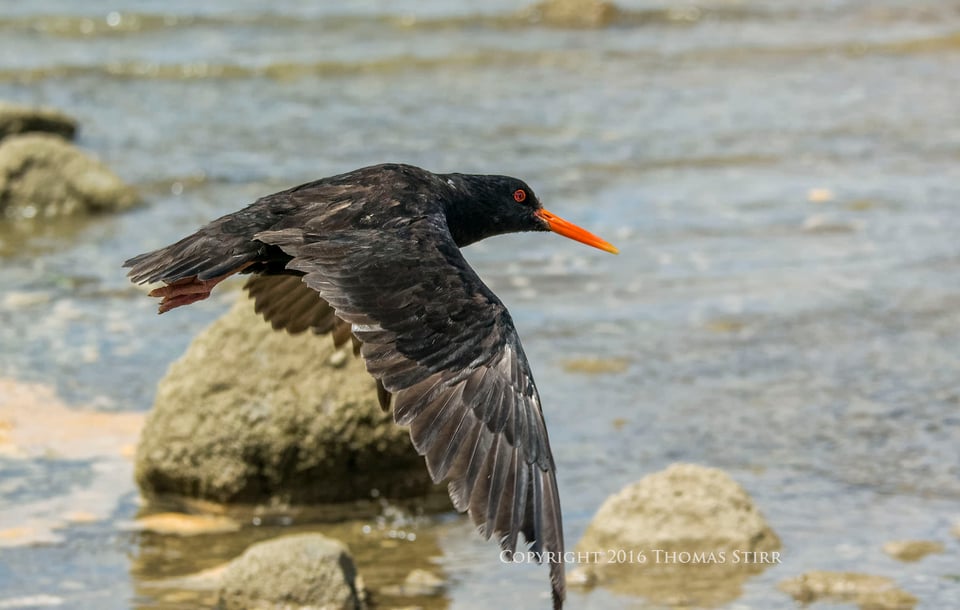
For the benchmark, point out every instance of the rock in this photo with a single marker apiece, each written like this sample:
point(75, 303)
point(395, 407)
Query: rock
point(252, 415)
point(305, 571)
point(682, 508)
point(912, 550)
point(43, 176)
point(418, 583)
point(575, 13)
point(956, 530)
point(16, 119)
point(725, 325)
point(864, 590)
point(688, 535)
point(595, 366)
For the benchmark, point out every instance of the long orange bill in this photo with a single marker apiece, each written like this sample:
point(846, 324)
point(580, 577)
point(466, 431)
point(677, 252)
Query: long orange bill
point(568, 229)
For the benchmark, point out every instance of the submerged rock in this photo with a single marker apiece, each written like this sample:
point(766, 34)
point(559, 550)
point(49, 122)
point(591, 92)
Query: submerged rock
point(418, 583)
point(293, 572)
point(596, 366)
point(575, 13)
point(16, 119)
point(864, 590)
point(912, 550)
point(685, 535)
point(44, 176)
point(252, 415)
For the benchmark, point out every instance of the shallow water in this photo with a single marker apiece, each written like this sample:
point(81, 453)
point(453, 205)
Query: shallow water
point(780, 177)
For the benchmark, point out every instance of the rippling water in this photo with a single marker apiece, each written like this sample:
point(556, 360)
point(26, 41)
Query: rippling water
point(782, 179)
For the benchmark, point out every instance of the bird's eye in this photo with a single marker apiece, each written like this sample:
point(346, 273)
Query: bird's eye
point(519, 195)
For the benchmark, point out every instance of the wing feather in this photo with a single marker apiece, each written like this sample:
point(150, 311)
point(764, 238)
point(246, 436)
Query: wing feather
point(290, 305)
point(444, 345)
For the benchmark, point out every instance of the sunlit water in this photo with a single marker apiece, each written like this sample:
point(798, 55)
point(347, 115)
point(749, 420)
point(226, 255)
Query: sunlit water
point(782, 180)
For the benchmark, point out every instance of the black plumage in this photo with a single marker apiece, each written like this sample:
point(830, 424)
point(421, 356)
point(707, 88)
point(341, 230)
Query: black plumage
point(373, 256)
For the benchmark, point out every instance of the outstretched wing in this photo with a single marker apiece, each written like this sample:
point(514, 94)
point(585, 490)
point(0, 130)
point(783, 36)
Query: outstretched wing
point(288, 304)
point(438, 339)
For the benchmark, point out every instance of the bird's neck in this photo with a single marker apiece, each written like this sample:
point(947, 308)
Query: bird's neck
point(466, 226)
point(470, 216)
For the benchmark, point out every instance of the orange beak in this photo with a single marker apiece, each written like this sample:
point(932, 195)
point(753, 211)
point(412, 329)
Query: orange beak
point(568, 229)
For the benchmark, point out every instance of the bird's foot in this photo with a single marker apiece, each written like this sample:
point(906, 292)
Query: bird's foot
point(188, 290)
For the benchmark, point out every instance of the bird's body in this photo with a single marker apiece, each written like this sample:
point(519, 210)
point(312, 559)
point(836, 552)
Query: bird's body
point(374, 256)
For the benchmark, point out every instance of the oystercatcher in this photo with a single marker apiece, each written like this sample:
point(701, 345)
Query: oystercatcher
point(373, 256)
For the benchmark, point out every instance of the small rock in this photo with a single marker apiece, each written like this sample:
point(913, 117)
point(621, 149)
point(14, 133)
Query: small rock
point(861, 205)
point(686, 535)
point(725, 325)
point(912, 550)
point(418, 583)
point(44, 176)
point(596, 366)
point(821, 223)
point(575, 13)
point(293, 572)
point(866, 591)
point(16, 119)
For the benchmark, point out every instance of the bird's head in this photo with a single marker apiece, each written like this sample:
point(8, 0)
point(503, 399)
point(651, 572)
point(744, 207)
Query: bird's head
point(483, 206)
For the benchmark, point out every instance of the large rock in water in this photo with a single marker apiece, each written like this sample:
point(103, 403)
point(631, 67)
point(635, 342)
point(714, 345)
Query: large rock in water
point(688, 535)
point(44, 176)
point(252, 415)
point(16, 119)
point(306, 571)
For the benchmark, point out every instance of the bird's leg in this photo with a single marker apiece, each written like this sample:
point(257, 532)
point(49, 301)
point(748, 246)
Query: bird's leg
point(189, 290)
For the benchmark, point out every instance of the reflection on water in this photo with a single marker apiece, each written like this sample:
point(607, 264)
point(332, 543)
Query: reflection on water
point(186, 569)
point(781, 179)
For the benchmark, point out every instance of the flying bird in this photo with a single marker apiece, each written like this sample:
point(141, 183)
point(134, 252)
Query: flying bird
point(373, 256)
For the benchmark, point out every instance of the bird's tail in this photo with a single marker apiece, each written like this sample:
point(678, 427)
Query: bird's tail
point(196, 256)
point(191, 267)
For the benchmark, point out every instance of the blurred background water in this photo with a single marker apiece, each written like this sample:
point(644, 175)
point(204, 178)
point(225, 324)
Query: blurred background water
point(782, 179)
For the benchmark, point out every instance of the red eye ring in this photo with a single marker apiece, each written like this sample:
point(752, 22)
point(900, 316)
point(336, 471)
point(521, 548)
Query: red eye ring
point(519, 195)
